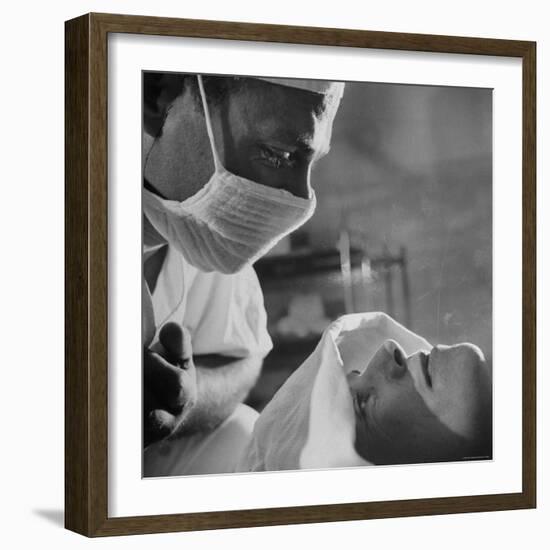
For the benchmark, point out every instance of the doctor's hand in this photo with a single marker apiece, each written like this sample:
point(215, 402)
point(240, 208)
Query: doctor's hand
point(169, 384)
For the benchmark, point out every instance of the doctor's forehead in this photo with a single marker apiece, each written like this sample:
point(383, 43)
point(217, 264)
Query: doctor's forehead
point(271, 96)
point(284, 114)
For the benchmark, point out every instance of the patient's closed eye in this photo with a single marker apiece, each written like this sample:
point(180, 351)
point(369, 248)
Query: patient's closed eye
point(361, 402)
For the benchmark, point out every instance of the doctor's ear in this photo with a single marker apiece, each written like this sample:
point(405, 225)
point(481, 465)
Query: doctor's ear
point(159, 92)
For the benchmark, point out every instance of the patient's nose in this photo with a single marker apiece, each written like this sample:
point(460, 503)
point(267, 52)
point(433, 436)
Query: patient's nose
point(398, 361)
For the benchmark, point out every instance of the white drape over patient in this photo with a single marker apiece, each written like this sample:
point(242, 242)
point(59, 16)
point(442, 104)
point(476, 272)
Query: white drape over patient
point(310, 422)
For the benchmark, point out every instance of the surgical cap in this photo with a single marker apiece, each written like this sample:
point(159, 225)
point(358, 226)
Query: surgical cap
point(324, 87)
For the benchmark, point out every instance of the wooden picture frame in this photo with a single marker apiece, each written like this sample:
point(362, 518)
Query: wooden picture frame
point(86, 283)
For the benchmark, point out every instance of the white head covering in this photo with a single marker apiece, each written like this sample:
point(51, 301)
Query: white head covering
point(324, 87)
point(310, 422)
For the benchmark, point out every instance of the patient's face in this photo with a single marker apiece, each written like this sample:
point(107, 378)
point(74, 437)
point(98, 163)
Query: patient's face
point(422, 408)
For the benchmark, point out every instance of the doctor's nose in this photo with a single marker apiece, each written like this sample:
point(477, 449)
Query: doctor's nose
point(299, 184)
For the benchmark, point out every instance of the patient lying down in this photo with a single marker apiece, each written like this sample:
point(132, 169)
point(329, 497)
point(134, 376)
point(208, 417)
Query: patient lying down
point(422, 408)
point(373, 392)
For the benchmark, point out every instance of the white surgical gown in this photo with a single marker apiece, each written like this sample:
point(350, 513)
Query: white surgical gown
point(225, 315)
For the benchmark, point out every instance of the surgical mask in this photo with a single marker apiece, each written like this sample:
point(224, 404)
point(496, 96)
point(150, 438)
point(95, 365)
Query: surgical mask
point(231, 221)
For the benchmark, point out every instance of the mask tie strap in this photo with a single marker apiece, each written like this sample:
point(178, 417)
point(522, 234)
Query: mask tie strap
point(217, 163)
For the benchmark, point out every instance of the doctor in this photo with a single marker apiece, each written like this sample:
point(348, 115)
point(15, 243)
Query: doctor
point(227, 165)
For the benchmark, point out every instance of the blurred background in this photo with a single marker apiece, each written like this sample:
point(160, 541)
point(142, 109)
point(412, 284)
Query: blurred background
point(403, 225)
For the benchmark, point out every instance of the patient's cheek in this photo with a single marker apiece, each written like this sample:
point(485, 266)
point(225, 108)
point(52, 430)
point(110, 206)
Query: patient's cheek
point(361, 437)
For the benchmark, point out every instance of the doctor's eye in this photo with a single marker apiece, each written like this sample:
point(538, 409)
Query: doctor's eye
point(276, 158)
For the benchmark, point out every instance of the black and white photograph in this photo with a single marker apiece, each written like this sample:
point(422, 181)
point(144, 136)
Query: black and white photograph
point(317, 274)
